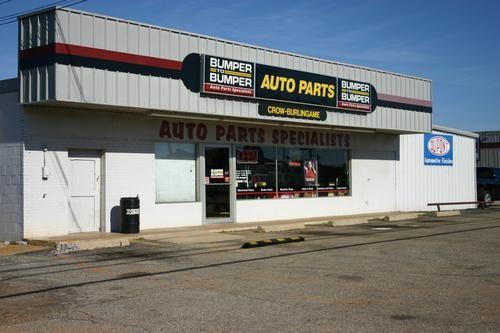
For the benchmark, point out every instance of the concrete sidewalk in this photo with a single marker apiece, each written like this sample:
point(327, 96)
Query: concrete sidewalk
point(209, 233)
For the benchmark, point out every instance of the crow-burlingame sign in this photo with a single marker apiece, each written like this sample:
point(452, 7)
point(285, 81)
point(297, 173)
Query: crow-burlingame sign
point(295, 111)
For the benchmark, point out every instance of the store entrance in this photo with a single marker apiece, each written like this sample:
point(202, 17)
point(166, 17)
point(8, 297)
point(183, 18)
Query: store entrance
point(217, 184)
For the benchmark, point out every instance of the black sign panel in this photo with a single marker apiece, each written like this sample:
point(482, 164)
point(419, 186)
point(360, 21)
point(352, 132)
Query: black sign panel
point(295, 86)
point(250, 80)
point(354, 95)
point(228, 77)
point(295, 111)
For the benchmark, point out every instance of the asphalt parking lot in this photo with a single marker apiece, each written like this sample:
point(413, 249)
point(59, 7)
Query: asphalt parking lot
point(428, 274)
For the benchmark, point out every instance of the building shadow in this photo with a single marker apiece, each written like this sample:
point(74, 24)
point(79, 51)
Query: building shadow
point(116, 219)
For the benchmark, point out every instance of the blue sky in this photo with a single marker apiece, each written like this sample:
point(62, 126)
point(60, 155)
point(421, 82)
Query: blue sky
point(456, 44)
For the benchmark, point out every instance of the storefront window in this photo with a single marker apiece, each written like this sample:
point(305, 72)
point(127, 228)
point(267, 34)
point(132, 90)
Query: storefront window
point(299, 172)
point(333, 172)
point(255, 172)
point(175, 172)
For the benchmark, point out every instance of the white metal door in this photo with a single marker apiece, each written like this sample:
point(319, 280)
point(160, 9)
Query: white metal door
point(375, 175)
point(84, 194)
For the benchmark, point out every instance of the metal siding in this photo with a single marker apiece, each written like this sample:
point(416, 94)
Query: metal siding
point(87, 84)
point(163, 87)
point(133, 89)
point(417, 89)
point(490, 136)
point(194, 102)
point(61, 22)
point(211, 46)
point(110, 88)
point(87, 30)
point(51, 82)
point(74, 26)
point(23, 27)
point(377, 79)
point(427, 91)
point(24, 85)
point(46, 29)
point(490, 157)
point(423, 88)
point(164, 40)
point(43, 80)
point(315, 66)
point(419, 184)
point(111, 35)
point(133, 38)
point(143, 91)
point(99, 33)
point(33, 32)
point(143, 41)
point(35, 84)
point(154, 42)
point(99, 86)
point(163, 93)
point(122, 88)
point(121, 37)
point(74, 74)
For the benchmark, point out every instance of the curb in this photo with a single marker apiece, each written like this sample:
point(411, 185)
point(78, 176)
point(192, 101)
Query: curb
point(72, 246)
point(80, 245)
point(402, 217)
point(338, 222)
point(272, 241)
point(283, 227)
point(447, 213)
point(236, 229)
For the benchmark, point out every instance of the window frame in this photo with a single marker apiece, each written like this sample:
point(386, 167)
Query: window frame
point(277, 185)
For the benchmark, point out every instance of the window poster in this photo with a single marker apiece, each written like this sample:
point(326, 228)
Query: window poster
point(217, 173)
point(310, 172)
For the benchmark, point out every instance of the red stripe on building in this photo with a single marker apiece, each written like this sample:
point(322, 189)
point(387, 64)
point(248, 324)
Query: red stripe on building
point(90, 52)
point(404, 100)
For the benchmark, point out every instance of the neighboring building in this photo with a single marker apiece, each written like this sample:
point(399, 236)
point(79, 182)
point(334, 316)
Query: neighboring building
point(489, 149)
point(205, 130)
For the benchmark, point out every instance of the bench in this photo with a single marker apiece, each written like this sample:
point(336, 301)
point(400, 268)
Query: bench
point(439, 204)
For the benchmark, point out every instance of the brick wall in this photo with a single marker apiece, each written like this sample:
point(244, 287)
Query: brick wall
point(10, 192)
point(11, 148)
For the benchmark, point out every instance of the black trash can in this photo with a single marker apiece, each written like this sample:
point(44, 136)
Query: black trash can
point(130, 215)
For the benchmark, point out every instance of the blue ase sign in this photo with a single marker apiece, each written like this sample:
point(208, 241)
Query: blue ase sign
point(438, 149)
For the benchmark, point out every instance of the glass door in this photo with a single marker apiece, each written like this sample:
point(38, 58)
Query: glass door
point(217, 184)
